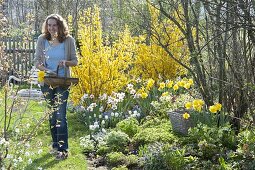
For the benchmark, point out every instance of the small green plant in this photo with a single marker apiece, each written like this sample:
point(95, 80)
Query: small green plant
point(115, 159)
point(117, 140)
point(130, 126)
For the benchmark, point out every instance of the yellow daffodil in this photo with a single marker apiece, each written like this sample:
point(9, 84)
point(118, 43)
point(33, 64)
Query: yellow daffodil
point(162, 86)
point(187, 85)
point(150, 84)
point(170, 84)
point(191, 81)
point(188, 105)
point(186, 115)
point(213, 109)
point(41, 75)
point(218, 106)
point(181, 83)
point(144, 95)
point(165, 94)
point(176, 87)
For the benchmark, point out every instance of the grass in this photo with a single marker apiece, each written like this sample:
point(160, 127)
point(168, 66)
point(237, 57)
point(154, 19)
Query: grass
point(32, 112)
point(76, 159)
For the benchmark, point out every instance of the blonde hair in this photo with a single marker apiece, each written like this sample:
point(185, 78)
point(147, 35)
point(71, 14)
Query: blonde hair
point(63, 31)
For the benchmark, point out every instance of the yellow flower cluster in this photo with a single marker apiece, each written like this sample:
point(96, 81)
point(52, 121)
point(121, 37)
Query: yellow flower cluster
point(215, 108)
point(197, 105)
point(40, 76)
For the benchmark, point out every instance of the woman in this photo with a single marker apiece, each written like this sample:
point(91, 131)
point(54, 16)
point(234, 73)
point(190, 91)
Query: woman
point(56, 49)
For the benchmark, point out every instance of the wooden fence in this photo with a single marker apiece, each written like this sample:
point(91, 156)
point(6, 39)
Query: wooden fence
point(20, 53)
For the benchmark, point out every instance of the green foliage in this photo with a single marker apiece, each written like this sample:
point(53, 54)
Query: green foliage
point(246, 140)
point(130, 126)
point(212, 140)
point(174, 158)
point(154, 130)
point(115, 158)
point(151, 135)
point(152, 156)
point(103, 150)
point(132, 160)
point(117, 140)
point(120, 168)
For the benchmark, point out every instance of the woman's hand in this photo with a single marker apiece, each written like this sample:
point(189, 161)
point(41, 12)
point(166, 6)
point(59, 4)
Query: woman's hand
point(62, 63)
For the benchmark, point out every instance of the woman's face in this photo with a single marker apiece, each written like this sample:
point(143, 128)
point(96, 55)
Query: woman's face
point(52, 27)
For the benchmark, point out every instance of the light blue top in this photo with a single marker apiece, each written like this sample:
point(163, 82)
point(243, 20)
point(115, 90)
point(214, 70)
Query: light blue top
point(53, 55)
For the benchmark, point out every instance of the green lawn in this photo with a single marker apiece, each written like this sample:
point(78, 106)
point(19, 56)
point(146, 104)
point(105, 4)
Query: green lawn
point(32, 113)
point(76, 159)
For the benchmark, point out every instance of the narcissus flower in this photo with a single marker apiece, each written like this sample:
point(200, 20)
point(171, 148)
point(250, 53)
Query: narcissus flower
point(188, 105)
point(213, 109)
point(169, 84)
point(176, 87)
point(162, 85)
point(41, 75)
point(144, 95)
point(186, 115)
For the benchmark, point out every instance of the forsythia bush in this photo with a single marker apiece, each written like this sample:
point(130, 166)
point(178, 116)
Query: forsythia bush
point(106, 66)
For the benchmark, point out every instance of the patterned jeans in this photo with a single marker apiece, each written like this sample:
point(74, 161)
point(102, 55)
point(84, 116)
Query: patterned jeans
point(57, 101)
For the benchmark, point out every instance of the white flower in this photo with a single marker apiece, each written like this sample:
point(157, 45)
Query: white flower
point(39, 168)
point(130, 86)
point(133, 91)
point(114, 107)
point(135, 112)
point(20, 159)
point(27, 153)
point(95, 115)
point(91, 96)
point(29, 161)
point(9, 156)
point(101, 109)
point(100, 116)
point(116, 114)
point(103, 122)
point(112, 114)
point(106, 117)
point(95, 123)
point(103, 130)
point(103, 97)
point(85, 96)
point(40, 151)
point(17, 130)
point(28, 125)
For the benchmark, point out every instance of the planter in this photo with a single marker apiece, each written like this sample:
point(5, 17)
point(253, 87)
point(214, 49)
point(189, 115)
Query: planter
point(179, 124)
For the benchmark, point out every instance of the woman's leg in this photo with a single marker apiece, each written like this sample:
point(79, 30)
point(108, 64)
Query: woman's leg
point(49, 95)
point(61, 120)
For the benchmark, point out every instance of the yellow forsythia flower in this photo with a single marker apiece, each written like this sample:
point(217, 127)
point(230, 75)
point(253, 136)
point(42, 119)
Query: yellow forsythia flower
point(188, 105)
point(176, 87)
point(185, 115)
point(144, 95)
point(41, 75)
point(213, 109)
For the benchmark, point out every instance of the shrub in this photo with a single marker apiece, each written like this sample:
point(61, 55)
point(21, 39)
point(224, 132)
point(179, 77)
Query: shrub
point(129, 126)
point(151, 135)
point(117, 140)
point(115, 159)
